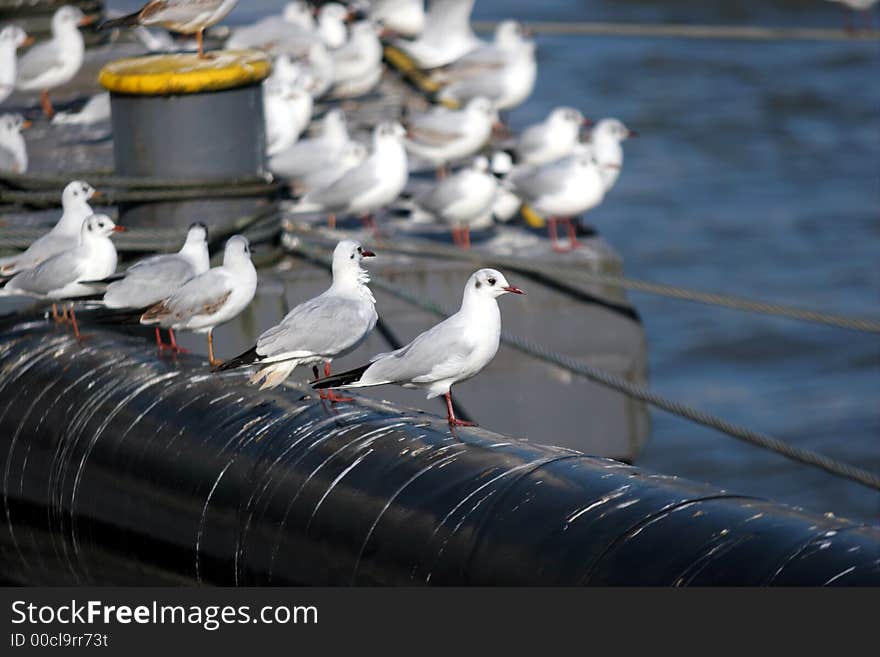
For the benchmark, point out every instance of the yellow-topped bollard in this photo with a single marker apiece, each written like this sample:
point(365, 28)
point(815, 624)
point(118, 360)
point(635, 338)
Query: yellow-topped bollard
point(188, 119)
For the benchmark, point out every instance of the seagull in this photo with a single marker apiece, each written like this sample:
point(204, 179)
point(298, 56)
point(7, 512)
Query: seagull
point(366, 188)
point(13, 149)
point(66, 233)
point(561, 190)
point(509, 41)
point(296, 21)
point(288, 110)
point(72, 273)
point(212, 298)
point(551, 139)
point(405, 18)
point(154, 279)
point(605, 144)
point(351, 155)
point(357, 65)
point(331, 24)
point(447, 35)
point(506, 203)
point(507, 86)
point(96, 110)
point(443, 135)
point(55, 62)
point(454, 350)
point(316, 153)
point(183, 16)
point(462, 200)
point(329, 326)
point(12, 37)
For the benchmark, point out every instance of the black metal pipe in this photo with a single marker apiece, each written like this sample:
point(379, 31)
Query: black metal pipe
point(119, 467)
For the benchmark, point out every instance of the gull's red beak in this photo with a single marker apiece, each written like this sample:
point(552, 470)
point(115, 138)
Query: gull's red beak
point(513, 290)
point(119, 229)
point(97, 194)
point(587, 122)
point(29, 41)
point(368, 254)
point(632, 133)
point(87, 20)
point(26, 124)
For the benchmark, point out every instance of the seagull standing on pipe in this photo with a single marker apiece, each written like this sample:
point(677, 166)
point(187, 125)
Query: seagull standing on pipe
point(329, 326)
point(183, 16)
point(211, 299)
point(66, 233)
point(55, 62)
point(73, 273)
point(153, 279)
point(454, 350)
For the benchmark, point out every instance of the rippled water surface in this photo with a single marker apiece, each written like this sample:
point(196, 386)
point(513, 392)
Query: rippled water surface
point(756, 174)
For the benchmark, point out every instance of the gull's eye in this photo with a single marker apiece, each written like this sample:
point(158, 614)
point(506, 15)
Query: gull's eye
point(491, 281)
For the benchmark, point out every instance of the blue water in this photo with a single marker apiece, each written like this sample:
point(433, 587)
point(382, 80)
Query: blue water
point(758, 174)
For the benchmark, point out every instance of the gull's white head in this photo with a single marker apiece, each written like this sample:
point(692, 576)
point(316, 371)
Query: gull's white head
point(333, 125)
point(238, 250)
point(197, 234)
point(347, 258)
point(502, 163)
point(388, 130)
point(100, 225)
point(482, 106)
point(613, 129)
point(13, 123)
point(489, 283)
point(77, 194)
point(13, 35)
point(480, 163)
point(568, 116)
point(298, 13)
point(509, 34)
point(331, 24)
point(67, 18)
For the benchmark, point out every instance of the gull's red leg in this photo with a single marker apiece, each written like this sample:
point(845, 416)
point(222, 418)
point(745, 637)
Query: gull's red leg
point(174, 347)
point(331, 394)
point(161, 346)
point(213, 361)
point(331, 221)
point(466, 237)
point(450, 415)
point(554, 238)
point(572, 235)
point(46, 104)
point(321, 393)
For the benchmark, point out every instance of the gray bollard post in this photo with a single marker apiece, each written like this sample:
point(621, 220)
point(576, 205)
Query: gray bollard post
point(177, 116)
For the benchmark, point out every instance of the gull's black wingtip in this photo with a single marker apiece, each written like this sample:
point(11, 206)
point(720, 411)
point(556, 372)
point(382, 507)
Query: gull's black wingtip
point(247, 358)
point(337, 380)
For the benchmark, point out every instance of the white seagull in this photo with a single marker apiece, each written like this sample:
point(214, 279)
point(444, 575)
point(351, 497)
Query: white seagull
point(454, 350)
point(405, 18)
point(463, 200)
point(443, 135)
point(373, 184)
point(183, 16)
point(551, 139)
point(13, 148)
point(212, 298)
point(65, 234)
point(12, 37)
point(75, 272)
point(55, 62)
point(509, 41)
point(151, 280)
point(329, 326)
point(447, 35)
point(351, 155)
point(357, 65)
point(96, 110)
point(308, 155)
point(507, 86)
point(561, 190)
point(605, 144)
point(288, 110)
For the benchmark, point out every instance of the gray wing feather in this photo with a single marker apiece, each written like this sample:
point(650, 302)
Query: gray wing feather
point(436, 199)
point(201, 293)
point(38, 60)
point(536, 182)
point(149, 282)
point(53, 274)
point(355, 182)
point(325, 325)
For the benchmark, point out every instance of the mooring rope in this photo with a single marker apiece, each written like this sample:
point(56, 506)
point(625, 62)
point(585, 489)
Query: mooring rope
point(623, 386)
point(681, 31)
point(569, 269)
